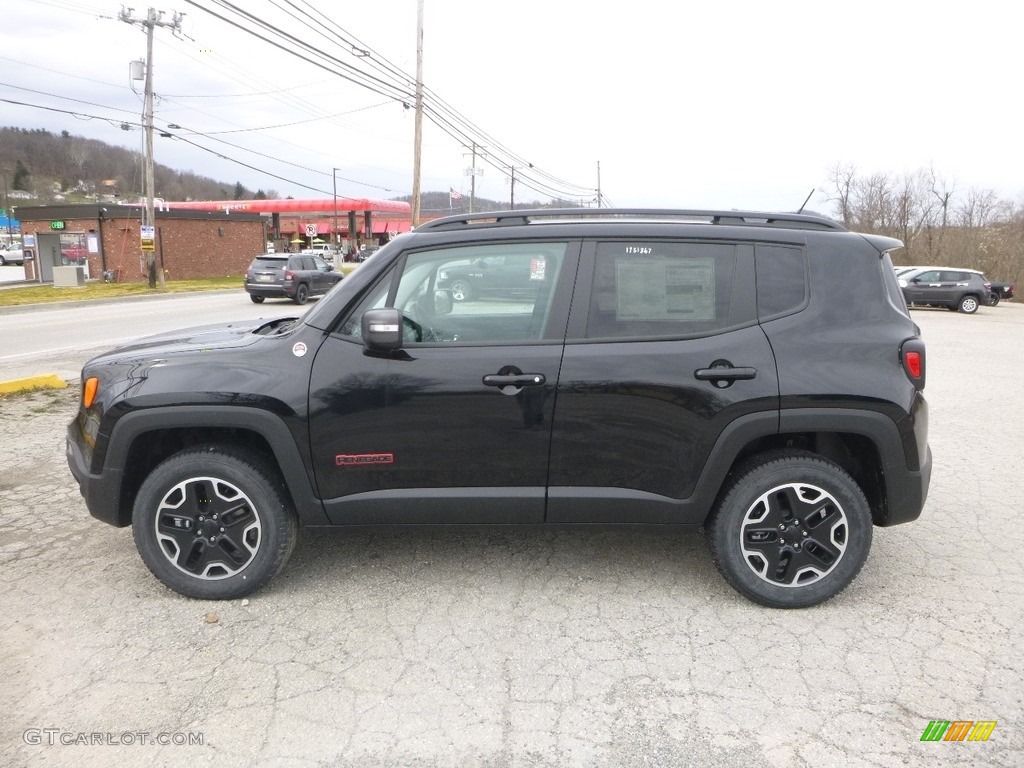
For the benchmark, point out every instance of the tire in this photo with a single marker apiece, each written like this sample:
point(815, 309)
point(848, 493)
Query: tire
point(969, 304)
point(301, 294)
point(256, 299)
point(175, 520)
point(822, 544)
point(461, 291)
point(993, 299)
point(3, 261)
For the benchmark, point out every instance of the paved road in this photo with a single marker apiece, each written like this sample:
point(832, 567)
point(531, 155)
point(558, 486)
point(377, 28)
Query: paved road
point(58, 339)
point(529, 649)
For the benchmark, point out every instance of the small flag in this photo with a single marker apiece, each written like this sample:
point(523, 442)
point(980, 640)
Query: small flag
point(454, 194)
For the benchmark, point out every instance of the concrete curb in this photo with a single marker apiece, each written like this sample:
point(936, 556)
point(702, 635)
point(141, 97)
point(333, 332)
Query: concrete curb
point(45, 381)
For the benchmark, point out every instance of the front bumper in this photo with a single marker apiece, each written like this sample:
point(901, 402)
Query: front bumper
point(101, 492)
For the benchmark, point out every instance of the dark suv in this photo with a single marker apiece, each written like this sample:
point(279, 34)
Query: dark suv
point(755, 374)
point(296, 276)
point(955, 289)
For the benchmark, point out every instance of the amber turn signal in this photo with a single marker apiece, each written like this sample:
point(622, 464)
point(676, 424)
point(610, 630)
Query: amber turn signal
point(92, 384)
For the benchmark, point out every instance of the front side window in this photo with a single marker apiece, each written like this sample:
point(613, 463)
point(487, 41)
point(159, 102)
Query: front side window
point(652, 289)
point(494, 293)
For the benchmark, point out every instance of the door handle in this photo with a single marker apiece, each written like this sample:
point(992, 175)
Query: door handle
point(514, 380)
point(722, 374)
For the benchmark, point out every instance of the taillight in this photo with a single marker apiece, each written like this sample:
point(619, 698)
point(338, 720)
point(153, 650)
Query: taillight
point(289, 275)
point(912, 358)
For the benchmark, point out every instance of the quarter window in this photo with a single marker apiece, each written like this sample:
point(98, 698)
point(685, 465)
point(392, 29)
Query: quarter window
point(781, 280)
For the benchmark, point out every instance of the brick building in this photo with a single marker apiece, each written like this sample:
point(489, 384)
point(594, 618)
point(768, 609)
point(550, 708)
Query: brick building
point(106, 238)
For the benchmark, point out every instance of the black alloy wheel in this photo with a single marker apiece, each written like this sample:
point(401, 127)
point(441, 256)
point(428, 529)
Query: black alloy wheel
point(792, 530)
point(301, 294)
point(213, 522)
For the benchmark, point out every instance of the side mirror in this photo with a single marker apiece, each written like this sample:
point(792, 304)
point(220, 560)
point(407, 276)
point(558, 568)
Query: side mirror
point(443, 303)
point(382, 329)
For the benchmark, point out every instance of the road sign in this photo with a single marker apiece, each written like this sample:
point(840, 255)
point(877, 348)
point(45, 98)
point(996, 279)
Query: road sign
point(311, 230)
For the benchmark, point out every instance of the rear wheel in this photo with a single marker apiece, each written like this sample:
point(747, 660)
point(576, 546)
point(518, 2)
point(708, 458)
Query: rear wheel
point(256, 299)
point(301, 294)
point(214, 522)
point(969, 304)
point(791, 530)
point(3, 261)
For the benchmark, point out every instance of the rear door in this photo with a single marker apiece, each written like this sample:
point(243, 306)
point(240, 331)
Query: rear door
point(456, 426)
point(663, 353)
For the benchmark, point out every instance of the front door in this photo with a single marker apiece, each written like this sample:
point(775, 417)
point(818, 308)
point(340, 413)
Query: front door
point(456, 426)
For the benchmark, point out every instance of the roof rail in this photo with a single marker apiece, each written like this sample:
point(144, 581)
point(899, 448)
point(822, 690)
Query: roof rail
point(556, 215)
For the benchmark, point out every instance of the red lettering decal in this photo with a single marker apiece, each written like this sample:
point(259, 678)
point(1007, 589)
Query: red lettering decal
point(363, 459)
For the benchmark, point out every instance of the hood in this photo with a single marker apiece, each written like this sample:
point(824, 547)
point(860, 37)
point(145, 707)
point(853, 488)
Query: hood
point(198, 339)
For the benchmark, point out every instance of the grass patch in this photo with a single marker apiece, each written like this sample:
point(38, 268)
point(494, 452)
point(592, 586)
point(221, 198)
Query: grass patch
point(45, 294)
point(97, 289)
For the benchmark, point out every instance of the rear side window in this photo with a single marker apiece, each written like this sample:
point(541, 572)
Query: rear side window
point(669, 289)
point(781, 280)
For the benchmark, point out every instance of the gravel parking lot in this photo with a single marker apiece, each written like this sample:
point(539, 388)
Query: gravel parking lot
point(528, 648)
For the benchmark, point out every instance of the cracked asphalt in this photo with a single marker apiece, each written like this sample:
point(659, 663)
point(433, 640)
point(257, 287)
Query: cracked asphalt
point(607, 649)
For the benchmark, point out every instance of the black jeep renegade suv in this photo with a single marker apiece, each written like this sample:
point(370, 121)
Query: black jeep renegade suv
point(755, 374)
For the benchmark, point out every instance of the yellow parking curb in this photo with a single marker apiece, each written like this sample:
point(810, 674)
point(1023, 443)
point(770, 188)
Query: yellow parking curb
point(48, 381)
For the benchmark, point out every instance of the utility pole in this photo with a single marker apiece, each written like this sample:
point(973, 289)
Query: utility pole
point(512, 186)
point(153, 20)
point(418, 136)
point(472, 173)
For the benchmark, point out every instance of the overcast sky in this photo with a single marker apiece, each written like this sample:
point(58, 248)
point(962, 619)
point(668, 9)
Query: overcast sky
point(722, 104)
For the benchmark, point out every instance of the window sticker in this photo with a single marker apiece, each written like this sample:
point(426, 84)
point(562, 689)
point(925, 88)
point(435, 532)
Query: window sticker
point(537, 268)
point(657, 288)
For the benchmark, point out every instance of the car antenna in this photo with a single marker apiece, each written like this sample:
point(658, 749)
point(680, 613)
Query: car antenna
point(801, 209)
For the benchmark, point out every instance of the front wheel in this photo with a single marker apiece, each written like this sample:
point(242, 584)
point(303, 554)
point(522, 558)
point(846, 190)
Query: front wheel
point(301, 294)
point(791, 530)
point(3, 262)
point(993, 299)
point(214, 522)
point(461, 291)
point(969, 304)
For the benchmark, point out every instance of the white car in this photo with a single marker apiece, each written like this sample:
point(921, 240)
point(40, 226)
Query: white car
point(11, 255)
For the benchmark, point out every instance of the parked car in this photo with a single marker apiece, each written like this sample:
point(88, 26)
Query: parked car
point(366, 252)
point(326, 251)
point(296, 276)
point(12, 255)
point(1000, 291)
point(955, 289)
point(493, 276)
point(756, 374)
